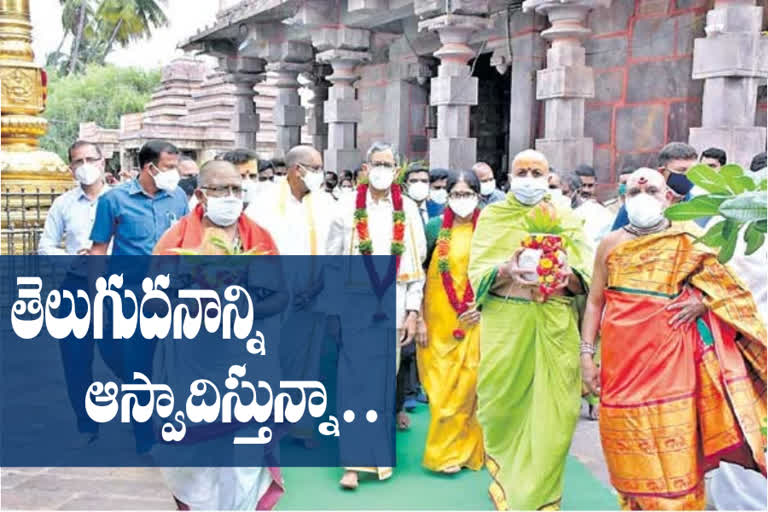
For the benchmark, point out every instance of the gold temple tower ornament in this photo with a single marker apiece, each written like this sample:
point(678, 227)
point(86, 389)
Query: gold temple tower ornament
point(30, 179)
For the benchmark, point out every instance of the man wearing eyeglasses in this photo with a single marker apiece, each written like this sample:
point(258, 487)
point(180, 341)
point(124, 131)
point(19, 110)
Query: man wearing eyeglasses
point(297, 212)
point(70, 219)
point(219, 212)
point(379, 202)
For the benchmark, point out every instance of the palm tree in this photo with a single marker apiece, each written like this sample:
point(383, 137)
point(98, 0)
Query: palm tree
point(73, 18)
point(129, 20)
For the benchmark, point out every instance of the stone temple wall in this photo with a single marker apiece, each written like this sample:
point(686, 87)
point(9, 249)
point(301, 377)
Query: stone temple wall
point(386, 118)
point(642, 54)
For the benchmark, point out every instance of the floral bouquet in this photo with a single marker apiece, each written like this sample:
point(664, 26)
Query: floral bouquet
point(214, 244)
point(544, 256)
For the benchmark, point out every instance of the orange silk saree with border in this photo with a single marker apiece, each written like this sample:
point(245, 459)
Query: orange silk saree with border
point(675, 402)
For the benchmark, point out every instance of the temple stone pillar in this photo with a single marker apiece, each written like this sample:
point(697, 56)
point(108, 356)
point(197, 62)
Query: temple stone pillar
point(405, 94)
point(453, 91)
point(344, 49)
point(244, 73)
point(288, 115)
point(566, 82)
point(732, 60)
point(528, 52)
point(316, 125)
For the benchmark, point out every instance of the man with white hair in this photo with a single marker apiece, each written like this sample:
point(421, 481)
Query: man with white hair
point(528, 378)
point(683, 352)
point(381, 220)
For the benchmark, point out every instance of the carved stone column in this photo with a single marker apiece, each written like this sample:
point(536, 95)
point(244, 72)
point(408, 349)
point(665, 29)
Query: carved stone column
point(342, 48)
point(524, 55)
point(732, 60)
point(288, 115)
point(244, 73)
point(316, 124)
point(407, 99)
point(453, 91)
point(566, 82)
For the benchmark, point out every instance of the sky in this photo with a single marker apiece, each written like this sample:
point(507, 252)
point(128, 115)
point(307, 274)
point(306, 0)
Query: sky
point(148, 54)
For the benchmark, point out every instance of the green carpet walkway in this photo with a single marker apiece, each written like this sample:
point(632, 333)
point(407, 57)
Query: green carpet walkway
point(414, 488)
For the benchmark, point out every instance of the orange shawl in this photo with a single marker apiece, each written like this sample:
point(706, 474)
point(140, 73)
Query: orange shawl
point(675, 402)
point(188, 234)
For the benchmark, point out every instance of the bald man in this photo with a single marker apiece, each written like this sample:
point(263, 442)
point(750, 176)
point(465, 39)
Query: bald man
point(298, 213)
point(682, 357)
point(488, 191)
point(528, 379)
point(219, 213)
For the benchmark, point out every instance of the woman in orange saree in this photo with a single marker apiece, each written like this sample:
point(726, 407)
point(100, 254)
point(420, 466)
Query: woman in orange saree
point(676, 398)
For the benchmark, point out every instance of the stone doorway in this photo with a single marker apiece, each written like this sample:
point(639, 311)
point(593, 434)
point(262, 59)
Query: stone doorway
point(489, 119)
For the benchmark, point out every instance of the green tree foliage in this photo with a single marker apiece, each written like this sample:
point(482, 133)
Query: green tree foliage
point(102, 94)
point(95, 26)
point(738, 199)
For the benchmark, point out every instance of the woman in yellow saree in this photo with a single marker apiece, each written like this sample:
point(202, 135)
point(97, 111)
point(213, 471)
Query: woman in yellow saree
point(448, 360)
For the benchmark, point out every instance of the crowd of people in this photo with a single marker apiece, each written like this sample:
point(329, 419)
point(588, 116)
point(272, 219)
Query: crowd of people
point(640, 314)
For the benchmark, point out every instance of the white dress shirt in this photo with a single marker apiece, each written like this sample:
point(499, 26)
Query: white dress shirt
point(343, 240)
point(299, 228)
point(69, 220)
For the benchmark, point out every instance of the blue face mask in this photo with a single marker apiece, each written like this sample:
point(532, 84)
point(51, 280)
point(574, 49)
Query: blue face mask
point(679, 183)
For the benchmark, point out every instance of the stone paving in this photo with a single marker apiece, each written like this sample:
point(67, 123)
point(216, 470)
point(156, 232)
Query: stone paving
point(144, 489)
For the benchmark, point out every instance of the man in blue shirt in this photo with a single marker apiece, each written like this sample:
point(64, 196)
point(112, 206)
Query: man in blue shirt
point(136, 213)
point(673, 162)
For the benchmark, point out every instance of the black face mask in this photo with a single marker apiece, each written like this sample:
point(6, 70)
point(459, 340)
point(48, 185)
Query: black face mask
point(679, 183)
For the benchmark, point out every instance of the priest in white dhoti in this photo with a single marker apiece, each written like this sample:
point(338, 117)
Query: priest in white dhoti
point(380, 220)
point(297, 213)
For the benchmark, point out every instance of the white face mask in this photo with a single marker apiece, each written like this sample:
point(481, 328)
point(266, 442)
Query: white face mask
point(558, 197)
point(463, 207)
point(644, 211)
point(381, 177)
point(487, 187)
point(223, 211)
point(166, 180)
point(418, 191)
point(528, 190)
point(250, 190)
point(439, 196)
point(314, 181)
point(87, 174)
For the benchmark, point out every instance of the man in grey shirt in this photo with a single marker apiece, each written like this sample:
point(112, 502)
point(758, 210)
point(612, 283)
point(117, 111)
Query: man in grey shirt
point(488, 191)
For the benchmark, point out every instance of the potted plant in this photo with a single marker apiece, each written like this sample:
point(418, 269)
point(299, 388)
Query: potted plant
point(737, 199)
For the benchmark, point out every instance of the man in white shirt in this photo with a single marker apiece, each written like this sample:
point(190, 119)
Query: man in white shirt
point(297, 213)
point(70, 218)
point(68, 223)
point(381, 204)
